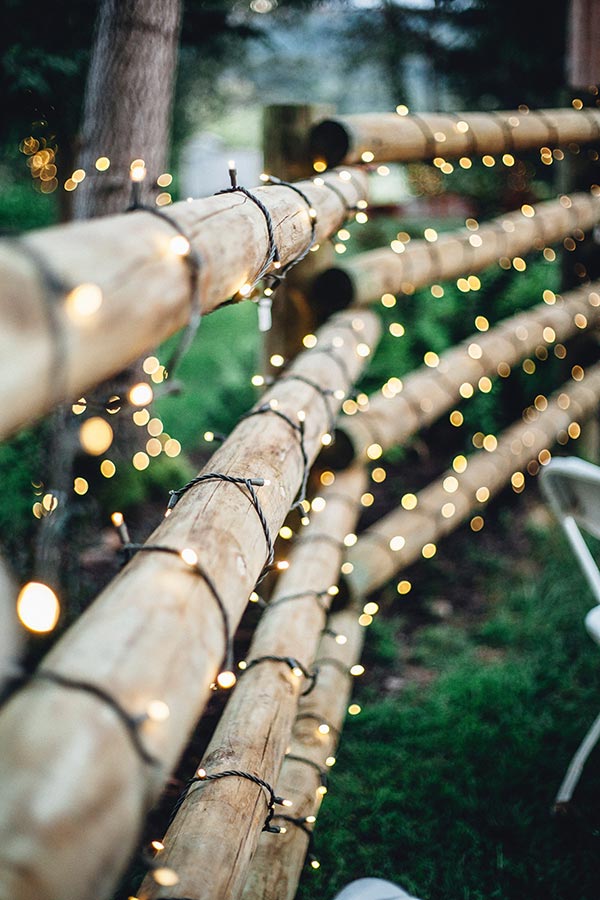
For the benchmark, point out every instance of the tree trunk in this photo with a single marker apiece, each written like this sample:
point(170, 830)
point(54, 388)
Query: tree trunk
point(127, 111)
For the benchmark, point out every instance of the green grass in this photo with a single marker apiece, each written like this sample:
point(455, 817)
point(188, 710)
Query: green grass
point(447, 788)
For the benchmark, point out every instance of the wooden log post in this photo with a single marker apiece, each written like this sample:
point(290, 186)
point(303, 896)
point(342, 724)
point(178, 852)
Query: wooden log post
point(75, 784)
point(402, 268)
point(54, 347)
point(403, 536)
point(211, 841)
point(10, 635)
point(286, 155)
point(392, 137)
point(278, 862)
point(427, 393)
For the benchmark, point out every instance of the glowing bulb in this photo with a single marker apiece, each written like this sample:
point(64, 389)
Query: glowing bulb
point(140, 394)
point(83, 301)
point(323, 728)
point(287, 803)
point(189, 556)
point(38, 607)
point(157, 845)
point(357, 670)
point(158, 711)
point(226, 680)
point(165, 877)
point(137, 170)
point(95, 436)
point(315, 864)
point(179, 245)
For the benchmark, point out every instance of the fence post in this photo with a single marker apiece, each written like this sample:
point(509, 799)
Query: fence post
point(286, 155)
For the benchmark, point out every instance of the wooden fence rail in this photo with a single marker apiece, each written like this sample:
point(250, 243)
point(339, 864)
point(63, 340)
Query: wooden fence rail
point(122, 284)
point(393, 137)
point(73, 776)
point(402, 268)
point(210, 843)
point(278, 862)
point(426, 393)
point(405, 535)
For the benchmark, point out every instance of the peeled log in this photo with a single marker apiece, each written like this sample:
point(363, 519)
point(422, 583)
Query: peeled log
point(145, 285)
point(373, 559)
point(74, 789)
point(389, 137)
point(364, 278)
point(278, 862)
point(212, 839)
point(427, 393)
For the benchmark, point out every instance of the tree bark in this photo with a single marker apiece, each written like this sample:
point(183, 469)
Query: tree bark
point(128, 100)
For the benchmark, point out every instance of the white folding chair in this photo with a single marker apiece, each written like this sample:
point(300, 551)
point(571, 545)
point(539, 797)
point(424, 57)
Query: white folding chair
point(572, 488)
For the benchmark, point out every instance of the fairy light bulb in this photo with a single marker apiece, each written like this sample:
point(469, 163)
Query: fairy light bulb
point(165, 877)
point(158, 711)
point(141, 394)
point(95, 436)
point(38, 607)
point(179, 245)
point(189, 556)
point(226, 680)
point(137, 170)
point(323, 728)
point(83, 301)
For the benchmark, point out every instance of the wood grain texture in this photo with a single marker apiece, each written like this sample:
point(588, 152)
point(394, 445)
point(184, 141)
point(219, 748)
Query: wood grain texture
point(394, 138)
point(463, 252)
point(213, 837)
point(375, 562)
point(427, 392)
point(279, 860)
point(145, 285)
point(74, 789)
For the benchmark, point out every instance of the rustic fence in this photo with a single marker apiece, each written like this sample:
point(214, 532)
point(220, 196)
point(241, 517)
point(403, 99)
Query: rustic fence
point(92, 736)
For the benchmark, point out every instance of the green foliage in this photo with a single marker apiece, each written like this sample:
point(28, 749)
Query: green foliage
point(19, 467)
point(447, 789)
point(216, 374)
